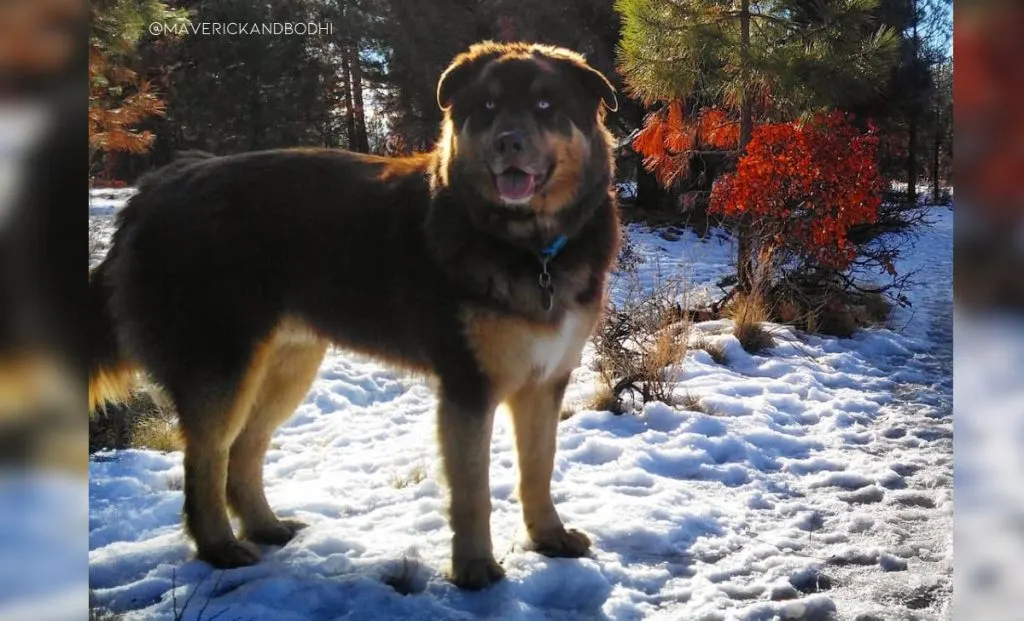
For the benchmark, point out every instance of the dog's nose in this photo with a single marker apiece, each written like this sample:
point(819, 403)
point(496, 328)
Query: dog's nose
point(509, 142)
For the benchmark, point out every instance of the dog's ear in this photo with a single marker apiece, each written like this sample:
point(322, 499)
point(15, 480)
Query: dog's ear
point(461, 72)
point(593, 81)
point(596, 84)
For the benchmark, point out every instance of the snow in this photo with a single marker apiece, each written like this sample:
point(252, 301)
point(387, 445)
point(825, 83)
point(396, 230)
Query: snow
point(990, 499)
point(42, 517)
point(106, 201)
point(819, 486)
point(626, 190)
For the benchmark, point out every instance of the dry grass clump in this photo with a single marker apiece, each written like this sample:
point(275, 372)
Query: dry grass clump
point(748, 313)
point(604, 400)
point(694, 403)
point(815, 301)
point(158, 434)
point(141, 423)
point(875, 308)
point(405, 577)
point(416, 475)
point(836, 313)
point(714, 349)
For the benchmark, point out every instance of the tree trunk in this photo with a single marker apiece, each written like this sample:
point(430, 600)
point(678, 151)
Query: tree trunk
point(912, 160)
point(110, 166)
point(362, 143)
point(649, 193)
point(746, 106)
point(744, 243)
point(936, 148)
point(350, 117)
point(327, 123)
point(912, 124)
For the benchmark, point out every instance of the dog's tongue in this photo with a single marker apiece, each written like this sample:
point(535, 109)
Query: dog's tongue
point(515, 184)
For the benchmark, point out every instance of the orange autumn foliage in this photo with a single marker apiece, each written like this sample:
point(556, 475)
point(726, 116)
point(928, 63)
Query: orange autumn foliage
point(118, 101)
point(668, 137)
point(808, 184)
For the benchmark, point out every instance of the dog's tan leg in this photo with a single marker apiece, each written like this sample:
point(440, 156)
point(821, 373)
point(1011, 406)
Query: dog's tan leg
point(465, 438)
point(291, 370)
point(210, 429)
point(535, 413)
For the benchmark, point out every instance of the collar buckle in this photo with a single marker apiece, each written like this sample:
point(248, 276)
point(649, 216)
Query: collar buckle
point(547, 288)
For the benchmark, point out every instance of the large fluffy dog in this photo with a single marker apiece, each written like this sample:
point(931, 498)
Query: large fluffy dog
point(482, 263)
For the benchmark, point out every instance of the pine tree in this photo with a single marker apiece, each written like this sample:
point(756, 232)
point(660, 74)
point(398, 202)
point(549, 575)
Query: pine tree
point(352, 49)
point(941, 127)
point(119, 99)
point(418, 42)
point(925, 38)
point(230, 93)
point(902, 106)
point(759, 60)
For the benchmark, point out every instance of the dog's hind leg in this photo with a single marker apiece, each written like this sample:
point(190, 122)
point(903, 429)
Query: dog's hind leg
point(290, 372)
point(535, 414)
point(212, 413)
point(464, 431)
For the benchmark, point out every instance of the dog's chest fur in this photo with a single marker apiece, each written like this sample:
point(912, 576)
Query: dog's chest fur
point(548, 351)
point(513, 351)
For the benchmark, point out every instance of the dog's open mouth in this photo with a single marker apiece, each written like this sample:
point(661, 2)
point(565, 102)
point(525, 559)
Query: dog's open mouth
point(516, 185)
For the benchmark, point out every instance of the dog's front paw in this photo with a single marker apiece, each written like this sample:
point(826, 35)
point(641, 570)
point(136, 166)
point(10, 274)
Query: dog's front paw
point(276, 534)
point(476, 574)
point(230, 554)
point(561, 543)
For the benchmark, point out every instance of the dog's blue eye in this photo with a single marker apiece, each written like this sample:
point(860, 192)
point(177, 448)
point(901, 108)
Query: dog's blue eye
point(490, 105)
point(543, 104)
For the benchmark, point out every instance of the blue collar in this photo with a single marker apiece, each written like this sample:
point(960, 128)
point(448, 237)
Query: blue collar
point(552, 250)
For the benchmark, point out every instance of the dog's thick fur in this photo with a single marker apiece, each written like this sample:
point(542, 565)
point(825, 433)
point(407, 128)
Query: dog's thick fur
point(229, 276)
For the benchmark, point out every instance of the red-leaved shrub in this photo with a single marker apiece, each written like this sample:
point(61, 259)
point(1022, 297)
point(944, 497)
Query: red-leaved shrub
point(805, 185)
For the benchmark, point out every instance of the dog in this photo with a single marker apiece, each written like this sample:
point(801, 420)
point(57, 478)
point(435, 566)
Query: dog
point(481, 264)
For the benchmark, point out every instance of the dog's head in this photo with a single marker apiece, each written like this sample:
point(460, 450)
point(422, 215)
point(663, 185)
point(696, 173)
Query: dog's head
point(523, 130)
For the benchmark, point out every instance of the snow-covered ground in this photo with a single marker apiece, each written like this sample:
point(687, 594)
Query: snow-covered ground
point(989, 465)
point(821, 488)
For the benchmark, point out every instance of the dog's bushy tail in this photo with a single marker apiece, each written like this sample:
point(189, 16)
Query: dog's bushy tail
point(111, 376)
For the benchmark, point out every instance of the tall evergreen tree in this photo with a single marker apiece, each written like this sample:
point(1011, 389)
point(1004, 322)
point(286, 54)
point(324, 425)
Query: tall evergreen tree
point(925, 41)
point(244, 92)
point(902, 105)
point(941, 127)
point(419, 41)
point(353, 47)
